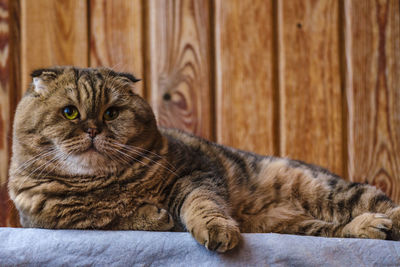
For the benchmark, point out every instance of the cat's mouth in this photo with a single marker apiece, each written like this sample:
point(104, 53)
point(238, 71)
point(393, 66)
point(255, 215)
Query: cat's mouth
point(92, 146)
point(91, 149)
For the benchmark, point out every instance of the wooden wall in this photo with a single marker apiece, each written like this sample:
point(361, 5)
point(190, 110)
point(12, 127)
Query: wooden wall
point(315, 80)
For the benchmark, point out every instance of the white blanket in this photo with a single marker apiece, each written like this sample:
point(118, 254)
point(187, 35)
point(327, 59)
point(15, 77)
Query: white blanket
point(39, 247)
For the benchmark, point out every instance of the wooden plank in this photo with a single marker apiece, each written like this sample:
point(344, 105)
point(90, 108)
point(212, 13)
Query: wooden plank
point(116, 36)
point(14, 85)
point(4, 90)
point(373, 89)
point(244, 74)
point(9, 94)
point(178, 64)
point(310, 83)
point(5, 123)
point(53, 32)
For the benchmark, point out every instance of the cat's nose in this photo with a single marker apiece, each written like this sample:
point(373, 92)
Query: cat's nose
point(92, 132)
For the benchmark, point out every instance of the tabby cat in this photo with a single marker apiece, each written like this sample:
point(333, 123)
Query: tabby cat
point(87, 154)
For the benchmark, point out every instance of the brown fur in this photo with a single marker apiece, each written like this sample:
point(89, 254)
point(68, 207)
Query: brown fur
point(135, 175)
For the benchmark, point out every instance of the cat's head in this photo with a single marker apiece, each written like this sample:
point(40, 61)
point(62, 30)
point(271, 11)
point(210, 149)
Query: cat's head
point(82, 121)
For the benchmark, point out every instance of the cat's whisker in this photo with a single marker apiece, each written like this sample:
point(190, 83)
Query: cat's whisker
point(120, 158)
point(30, 175)
point(143, 163)
point(60, 161)
point(111, 155)
point(67, 164)
point(119, 65)
point(138, 150)
point(54, 159)
point(26, 164)
point(64, 162)
point(144, 150)
point(31, 161)
point(141, 154)
point(45, 164)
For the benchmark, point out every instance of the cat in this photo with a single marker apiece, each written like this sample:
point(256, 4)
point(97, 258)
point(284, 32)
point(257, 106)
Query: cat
point(88, 154)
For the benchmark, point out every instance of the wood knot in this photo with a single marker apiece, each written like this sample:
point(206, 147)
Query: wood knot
point(167, 96)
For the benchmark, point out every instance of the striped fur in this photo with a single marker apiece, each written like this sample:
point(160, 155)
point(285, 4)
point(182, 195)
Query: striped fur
point(135, 175)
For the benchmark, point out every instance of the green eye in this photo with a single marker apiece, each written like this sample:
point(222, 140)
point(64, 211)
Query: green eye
point(70, 112)
point(111, 114)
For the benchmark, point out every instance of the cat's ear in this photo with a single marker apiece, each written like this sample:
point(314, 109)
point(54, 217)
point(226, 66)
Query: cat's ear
point(121, 75)
point(128, 76)
point(40, 79)
point(130, 79)
point(39, 86)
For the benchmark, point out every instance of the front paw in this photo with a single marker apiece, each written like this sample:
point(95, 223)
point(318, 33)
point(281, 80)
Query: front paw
point(394, 215)
point(218, 234)
point(368, 225)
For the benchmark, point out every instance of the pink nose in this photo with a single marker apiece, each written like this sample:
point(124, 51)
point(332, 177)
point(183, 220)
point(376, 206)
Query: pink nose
point(92, 132)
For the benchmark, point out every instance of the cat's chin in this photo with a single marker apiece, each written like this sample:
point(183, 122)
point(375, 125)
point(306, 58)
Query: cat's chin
point(90, 162)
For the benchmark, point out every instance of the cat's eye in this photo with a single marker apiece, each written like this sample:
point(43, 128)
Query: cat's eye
point(111, 114)
point(70, 112)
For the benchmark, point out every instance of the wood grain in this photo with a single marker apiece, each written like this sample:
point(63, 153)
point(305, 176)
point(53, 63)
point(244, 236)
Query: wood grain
point(53, 32)
point(9, 94)
point(116, 36)
point(244, 74)
point(310, 83)
point(15, 91)
point(5, 123)
point(373, 89)
point(4, 90)
point(178, 64)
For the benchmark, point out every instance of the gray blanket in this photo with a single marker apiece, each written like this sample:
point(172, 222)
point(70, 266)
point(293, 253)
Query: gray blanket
point(39, 247)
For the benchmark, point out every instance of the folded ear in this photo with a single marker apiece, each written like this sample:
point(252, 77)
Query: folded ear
point(125, 77)
point(128, 76)
point(41, 78)
point(39, 86)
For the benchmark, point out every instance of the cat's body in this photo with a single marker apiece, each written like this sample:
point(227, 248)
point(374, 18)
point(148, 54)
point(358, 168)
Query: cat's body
point(93, 172)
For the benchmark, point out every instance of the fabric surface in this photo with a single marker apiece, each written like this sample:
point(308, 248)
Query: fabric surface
point(40, 247)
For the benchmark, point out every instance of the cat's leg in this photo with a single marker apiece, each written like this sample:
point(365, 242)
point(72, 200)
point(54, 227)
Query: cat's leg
point(367, 211)
point(372, 212)
point(367, 225)
point(286, 219)
point(205, 216)
point(357, 208)
point(315, 227)
point(289, 219)
point(364, 211)
point(394, 215)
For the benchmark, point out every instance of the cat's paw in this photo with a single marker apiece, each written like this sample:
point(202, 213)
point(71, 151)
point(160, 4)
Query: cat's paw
point(217, 234)
point(369, 225)
point(156, 219)
point(394, 215)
